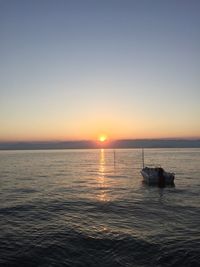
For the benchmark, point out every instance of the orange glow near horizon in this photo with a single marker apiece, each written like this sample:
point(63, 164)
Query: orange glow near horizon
point(93, 129)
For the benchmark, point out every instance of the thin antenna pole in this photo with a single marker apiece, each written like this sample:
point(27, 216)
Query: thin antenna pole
point(143, 157)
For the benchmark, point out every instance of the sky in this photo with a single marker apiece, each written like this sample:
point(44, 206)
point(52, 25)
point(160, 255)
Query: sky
point(73, 70)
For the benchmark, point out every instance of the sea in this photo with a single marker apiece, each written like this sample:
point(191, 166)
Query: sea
point(90, 208)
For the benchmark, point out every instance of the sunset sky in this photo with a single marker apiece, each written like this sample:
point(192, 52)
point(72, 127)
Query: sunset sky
point(73, 70)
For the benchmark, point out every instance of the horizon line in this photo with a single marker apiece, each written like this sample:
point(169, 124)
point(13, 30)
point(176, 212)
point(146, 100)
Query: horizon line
point(115, 144)
point(107, 141)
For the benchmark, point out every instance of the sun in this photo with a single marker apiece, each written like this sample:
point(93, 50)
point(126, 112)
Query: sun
point(102, 138)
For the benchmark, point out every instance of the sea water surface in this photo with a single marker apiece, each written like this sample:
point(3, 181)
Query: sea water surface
point(90, 208)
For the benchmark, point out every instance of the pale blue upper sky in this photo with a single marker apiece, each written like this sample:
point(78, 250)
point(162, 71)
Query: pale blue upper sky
point(73, 69)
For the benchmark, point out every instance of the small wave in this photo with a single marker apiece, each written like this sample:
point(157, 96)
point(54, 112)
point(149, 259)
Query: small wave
point(24, 190)
point(42, 176)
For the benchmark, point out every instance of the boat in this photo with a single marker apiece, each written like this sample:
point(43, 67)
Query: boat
point(156, 176)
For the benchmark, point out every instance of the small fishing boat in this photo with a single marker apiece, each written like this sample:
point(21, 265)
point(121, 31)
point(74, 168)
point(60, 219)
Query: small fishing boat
point(156, 176)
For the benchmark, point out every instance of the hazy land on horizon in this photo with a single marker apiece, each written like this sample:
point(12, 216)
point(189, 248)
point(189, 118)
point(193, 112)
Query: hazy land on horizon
point(125, 143)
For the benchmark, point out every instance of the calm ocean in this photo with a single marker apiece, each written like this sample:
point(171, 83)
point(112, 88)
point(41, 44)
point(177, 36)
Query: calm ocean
point(85, 208)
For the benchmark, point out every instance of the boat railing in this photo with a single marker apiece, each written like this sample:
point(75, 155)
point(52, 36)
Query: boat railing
point(153, 166)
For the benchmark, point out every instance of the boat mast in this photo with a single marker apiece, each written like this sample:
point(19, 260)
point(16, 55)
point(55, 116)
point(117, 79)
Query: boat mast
point(114, 156)
point(143, 158)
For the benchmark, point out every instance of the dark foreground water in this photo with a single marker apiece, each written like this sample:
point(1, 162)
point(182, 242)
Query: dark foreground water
point(80, 208)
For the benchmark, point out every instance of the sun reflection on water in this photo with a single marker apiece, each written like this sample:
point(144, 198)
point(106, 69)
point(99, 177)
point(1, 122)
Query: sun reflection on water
point(103, 196)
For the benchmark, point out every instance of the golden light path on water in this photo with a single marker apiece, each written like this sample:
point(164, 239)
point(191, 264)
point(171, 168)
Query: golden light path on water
point(103, 196)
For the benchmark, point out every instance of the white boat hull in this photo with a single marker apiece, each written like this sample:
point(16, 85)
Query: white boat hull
point(157, 176)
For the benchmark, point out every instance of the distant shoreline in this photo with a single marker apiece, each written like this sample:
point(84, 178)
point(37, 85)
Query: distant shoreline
point(126, 143)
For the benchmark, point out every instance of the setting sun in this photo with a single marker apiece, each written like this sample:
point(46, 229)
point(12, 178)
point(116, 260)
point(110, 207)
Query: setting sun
point(102, 138)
